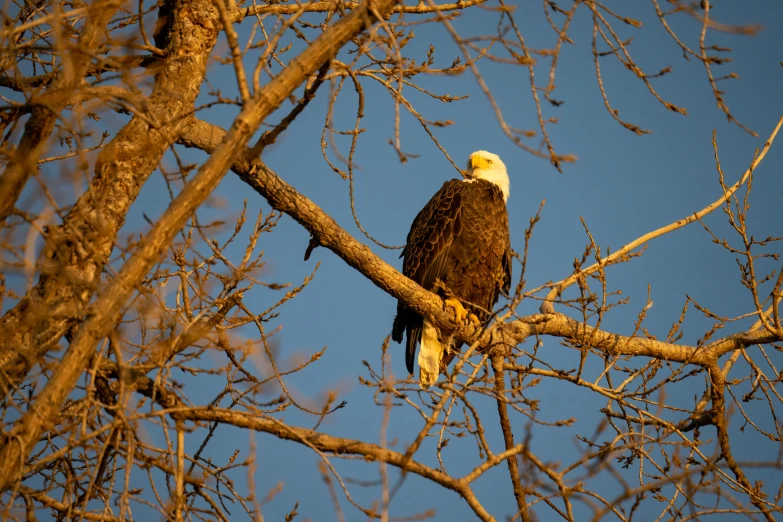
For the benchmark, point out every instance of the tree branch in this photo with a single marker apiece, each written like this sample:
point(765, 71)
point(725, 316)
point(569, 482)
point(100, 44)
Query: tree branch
point(338, 446)
point(508, 435)
point(558, 288)
point(328, 7)
point(328, 233)
point(717, 387)
point(77, 251)
point(41, 122)
point(109, 305)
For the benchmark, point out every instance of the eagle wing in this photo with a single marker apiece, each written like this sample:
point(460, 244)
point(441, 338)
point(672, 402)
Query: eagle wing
point(426, 255)
point(481, 254)
point(461, 237)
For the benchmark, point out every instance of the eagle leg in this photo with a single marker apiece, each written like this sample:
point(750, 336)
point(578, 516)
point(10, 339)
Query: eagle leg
point(474, 320)
point(459, 311)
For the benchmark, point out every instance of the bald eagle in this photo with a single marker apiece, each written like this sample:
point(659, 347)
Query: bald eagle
point(458, 247)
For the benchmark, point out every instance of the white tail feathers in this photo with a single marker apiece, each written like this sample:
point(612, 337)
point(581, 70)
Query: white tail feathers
point(430, 355)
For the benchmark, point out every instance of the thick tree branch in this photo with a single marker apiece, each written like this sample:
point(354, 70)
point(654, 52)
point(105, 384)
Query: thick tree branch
point(717, 389)
point(41, 122)
point(168, 313)
point(326, 231)
point(508, 435)
point(108, 307)
point(341, 446)
point(63, 508)
point(77, 251)
point(329, 234)
point(328, 7)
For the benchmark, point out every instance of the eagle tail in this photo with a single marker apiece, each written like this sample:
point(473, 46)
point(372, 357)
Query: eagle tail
point(414, 334)
point(430, 355)
point(406, 322)
point(399, 326)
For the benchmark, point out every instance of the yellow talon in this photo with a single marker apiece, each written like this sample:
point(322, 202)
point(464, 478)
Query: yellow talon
point(459, 311)
point(474, 320)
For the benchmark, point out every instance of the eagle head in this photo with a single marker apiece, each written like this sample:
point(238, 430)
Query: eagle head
point(487, 166)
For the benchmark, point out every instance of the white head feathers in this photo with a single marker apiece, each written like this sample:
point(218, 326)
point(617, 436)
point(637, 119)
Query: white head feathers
point(487, 166)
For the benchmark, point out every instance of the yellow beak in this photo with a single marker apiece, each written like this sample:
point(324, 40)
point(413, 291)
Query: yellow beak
point(477, 162)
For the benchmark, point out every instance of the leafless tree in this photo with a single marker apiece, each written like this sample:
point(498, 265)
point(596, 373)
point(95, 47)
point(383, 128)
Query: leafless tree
point(98, 329)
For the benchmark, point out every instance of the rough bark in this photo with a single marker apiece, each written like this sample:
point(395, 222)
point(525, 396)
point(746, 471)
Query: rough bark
point(717, 390)
point(77, 251)
point(328, 233)
point(508, 435)
point(51, 103)
point(107, 309)
point(341, 446)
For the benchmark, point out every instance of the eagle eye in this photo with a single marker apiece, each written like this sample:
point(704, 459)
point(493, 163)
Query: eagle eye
point(489, 162)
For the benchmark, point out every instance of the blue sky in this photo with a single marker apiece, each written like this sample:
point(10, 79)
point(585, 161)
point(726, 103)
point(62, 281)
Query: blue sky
point(623, 186)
